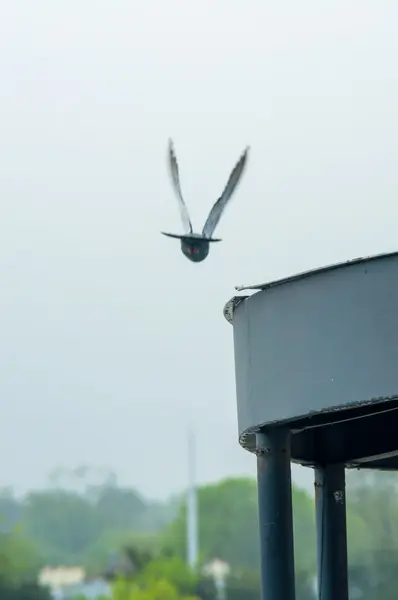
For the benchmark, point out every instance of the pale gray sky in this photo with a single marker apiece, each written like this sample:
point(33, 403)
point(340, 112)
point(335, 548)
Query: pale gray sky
point(111, 341)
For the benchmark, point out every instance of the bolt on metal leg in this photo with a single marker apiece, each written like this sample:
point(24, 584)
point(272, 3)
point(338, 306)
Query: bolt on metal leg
point(331, 526)
point(275, 514)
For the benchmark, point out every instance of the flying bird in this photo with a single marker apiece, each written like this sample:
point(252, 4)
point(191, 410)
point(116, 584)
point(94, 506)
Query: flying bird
point(195, 246)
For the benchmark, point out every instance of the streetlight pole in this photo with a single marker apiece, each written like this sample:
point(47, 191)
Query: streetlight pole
point(192, 505)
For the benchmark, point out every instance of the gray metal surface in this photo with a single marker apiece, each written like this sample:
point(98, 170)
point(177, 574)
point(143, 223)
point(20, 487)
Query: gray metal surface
point(312, 272)
point(331, 527)
point(319, 352)
point(275, 515)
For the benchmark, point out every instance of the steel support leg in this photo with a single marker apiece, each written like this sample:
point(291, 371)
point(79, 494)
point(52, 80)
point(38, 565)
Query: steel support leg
point(331, 532)
point(275, 515)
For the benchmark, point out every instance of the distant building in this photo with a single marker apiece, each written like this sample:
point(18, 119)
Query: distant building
point(59, 576)
point(66, 583)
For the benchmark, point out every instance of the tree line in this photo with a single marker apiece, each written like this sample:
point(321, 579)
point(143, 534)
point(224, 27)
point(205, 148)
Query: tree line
point(91, 524)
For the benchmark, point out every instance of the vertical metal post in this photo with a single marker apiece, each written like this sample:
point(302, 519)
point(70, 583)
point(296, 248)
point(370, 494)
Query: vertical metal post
point(331, 526)
point(192, 503)
point(275, 514)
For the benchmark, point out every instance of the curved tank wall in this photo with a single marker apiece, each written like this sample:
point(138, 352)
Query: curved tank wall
point(316, 346)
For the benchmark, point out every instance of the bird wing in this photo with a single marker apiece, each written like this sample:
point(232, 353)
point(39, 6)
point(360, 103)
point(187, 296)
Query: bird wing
point(219, 206)
point(175, 178)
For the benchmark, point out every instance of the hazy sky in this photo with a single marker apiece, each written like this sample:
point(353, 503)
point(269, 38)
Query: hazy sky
point(111, 342)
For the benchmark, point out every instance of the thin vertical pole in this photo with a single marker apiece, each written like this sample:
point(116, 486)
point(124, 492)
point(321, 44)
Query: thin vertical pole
point(275, 514)
point(331, 527)
point(192, 505)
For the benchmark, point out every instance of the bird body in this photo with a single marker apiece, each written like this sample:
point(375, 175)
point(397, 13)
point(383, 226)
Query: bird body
point(196, 246)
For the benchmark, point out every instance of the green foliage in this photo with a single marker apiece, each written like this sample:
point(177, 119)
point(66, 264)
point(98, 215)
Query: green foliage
point(70, 526)
point(18, 558)
point(163, 577)
point(62, 523)
point(373, 546)
point(10, 510)
point(304, 532)
point(160, 589)
point(19, 562)
point(172, 569)
point(373, 498)
point(104, 525)
point(228, 525)
point(110, 542)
